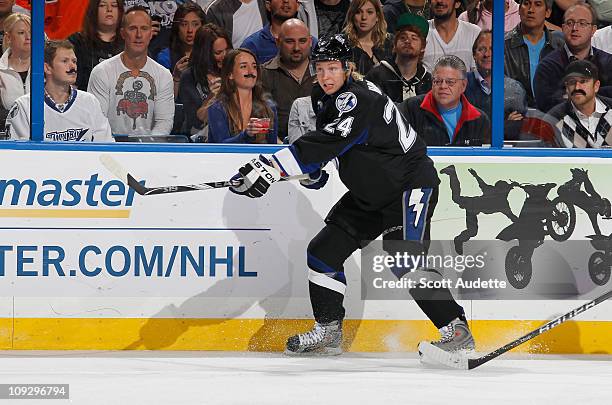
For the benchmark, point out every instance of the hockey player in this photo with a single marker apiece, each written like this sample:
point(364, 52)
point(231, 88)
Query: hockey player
point(70, 114)
point(388, 174)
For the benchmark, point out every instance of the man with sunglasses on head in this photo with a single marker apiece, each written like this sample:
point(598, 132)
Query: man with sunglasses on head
point(444, 116)
point(585, 119)
point(579, 25)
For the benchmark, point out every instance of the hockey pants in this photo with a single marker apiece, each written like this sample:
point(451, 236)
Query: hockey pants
point(349, 227)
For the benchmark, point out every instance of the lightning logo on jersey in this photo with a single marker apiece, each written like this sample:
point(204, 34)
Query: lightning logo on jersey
point(346, 102)
point(416, 202)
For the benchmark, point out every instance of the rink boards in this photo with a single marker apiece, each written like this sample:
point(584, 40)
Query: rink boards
point(87, 264)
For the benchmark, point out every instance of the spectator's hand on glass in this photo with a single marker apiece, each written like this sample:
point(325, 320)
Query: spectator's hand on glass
point(515, 116)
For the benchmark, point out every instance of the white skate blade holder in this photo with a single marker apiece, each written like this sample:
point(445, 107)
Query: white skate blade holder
point(452, 360)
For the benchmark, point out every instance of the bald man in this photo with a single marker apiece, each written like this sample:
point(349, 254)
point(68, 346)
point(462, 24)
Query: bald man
point(287, 76)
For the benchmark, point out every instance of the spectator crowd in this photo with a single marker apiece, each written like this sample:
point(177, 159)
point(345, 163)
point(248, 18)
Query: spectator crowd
point(238, 71)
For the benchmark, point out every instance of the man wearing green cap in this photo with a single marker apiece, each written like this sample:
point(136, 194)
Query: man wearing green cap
point(404, 76)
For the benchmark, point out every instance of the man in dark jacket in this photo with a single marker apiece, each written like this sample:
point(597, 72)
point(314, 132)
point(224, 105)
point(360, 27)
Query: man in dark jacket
point(528, 43)
point(585, 119)
point(444, 116)
point(579, 25)
point(404, 76)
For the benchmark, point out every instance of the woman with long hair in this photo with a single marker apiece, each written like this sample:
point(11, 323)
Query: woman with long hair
point(241, 113)
point(366, 30)
point(188, 18)
point(99, 38)
point(15, 61)
point(201, 81)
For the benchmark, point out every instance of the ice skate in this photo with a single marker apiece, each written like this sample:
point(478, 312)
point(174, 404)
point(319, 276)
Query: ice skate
point(325, 339)
point(455, 338)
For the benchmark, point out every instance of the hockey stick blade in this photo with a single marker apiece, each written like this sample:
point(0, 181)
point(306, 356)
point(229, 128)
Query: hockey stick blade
point(459, 361)
point(114, 167)
point(449, 359)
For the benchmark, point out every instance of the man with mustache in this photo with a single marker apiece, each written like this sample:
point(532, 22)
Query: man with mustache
point(264, 43)
point(579, 25)
point(287, 76)
point(404, 76)
point(70, 114)
point(448, 35)
point(585, 119)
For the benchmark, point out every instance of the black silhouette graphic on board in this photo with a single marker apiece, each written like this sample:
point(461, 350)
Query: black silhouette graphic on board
point(494, 199)
point(588, 200)
point(539, 217)
point(600, 262)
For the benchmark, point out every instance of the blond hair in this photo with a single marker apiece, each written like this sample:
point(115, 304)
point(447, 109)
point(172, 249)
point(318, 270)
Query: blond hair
point(9, 23)
point(379, 32)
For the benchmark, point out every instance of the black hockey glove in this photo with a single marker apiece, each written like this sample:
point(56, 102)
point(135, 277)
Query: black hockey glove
point(254, 178)
point(316, 180)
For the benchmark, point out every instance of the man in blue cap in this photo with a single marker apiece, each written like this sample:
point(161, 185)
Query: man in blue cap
point(404, 76)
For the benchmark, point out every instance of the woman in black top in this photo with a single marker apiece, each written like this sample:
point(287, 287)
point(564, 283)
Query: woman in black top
point(366, 29)
point(99, 38)
point(202, 79)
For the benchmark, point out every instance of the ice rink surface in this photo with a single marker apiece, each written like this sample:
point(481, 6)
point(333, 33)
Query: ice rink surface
point(270, 378)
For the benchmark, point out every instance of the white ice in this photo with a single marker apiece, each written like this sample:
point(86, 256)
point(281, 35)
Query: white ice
point(119, 378)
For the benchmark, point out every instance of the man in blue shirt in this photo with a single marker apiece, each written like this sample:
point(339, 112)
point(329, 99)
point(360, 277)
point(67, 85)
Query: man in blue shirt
point(263, 42)
point(444, 116)
point(528, 43)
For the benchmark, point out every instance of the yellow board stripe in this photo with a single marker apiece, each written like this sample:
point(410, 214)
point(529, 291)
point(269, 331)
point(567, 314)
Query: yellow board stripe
point(578, 337)
point(63, 213)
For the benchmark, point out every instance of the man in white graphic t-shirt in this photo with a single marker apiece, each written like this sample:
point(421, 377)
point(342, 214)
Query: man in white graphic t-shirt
point(448, 35)
point(135, 92)
point(70, 114)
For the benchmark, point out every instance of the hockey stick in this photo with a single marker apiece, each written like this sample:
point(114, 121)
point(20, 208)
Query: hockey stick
point(456, 360)
point(114, 167)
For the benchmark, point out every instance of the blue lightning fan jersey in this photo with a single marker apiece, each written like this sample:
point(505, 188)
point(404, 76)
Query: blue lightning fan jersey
point(380, 155)
point(80, 119)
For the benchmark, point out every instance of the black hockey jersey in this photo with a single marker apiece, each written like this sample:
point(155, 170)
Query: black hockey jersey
point(380, 155)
